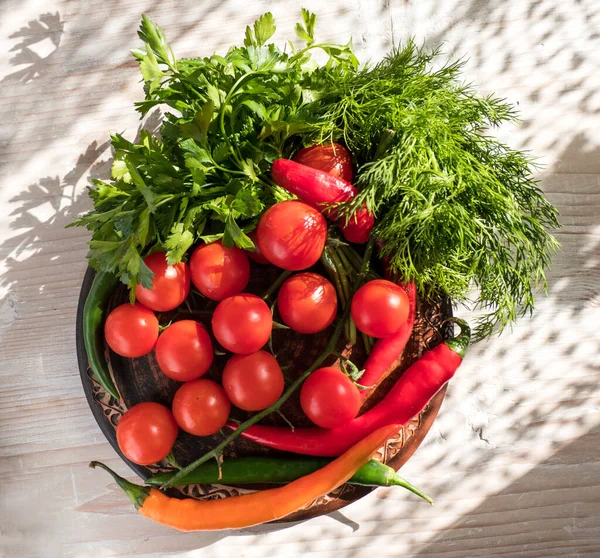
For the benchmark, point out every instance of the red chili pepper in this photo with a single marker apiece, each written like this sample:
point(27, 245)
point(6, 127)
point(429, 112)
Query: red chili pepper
point(387, 349)
point(415, 388)
point(319, 188)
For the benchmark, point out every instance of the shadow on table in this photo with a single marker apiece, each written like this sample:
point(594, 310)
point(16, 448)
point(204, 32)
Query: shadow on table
point(47, 26)
point(54, 54)
point(42, 211)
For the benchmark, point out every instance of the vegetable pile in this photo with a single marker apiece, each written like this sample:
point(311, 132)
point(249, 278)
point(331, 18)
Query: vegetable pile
point(356, 172)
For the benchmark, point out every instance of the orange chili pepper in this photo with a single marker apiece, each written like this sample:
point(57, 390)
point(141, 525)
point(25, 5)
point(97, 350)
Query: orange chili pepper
point(255, 508)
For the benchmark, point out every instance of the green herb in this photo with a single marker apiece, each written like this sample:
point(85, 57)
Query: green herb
point(455, 208)
point(207, 175)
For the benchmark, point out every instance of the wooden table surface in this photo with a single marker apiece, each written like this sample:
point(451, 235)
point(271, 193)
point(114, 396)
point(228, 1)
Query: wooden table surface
point(513, 459)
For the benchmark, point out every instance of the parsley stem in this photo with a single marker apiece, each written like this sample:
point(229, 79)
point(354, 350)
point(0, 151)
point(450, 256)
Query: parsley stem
point(167, 199)
point(245, 77)
point(341, 274)
point(350, 327)
point(333, 274)
point(276, 284)
point(230, 171)
point(348, 267)
point(310, 47)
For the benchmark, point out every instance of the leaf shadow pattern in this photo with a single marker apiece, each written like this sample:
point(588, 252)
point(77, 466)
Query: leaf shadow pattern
point(46, 26)
point(45, 208)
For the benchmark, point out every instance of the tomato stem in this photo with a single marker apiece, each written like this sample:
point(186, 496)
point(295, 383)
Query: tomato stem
point(352, 371)
point(161, 328)
point(289, 423)
point(171, 460)
point(328, 351)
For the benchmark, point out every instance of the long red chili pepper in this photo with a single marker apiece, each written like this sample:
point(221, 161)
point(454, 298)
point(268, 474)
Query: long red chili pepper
point(387, 349)
point(319, 188)
point(415, 388)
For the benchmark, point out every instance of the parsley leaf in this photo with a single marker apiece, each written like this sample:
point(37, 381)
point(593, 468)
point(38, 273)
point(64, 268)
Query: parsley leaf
point(306, 32)
point(262, 30)
point(178, 243)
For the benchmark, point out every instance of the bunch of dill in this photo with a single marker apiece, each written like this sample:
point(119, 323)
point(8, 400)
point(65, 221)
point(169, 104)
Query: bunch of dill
point(456, 210)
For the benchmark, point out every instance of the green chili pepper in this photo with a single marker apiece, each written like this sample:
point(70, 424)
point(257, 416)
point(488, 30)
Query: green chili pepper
point(255, 470)
point(103, 286)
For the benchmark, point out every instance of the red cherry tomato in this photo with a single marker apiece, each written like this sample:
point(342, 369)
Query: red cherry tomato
point(329, 398)
point(242, 323)
point(170, 285)
point(379, 308)
point(131, 330)
point(331, 157)
point(184, 351)
point(218, 271)
point(201, 407)
point(256, 255)
point(146, 433)
point(307, 303)
point(292, 235)
point(253, 382)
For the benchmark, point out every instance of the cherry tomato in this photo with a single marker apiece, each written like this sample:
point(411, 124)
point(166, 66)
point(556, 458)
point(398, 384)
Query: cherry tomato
point(201, 407)
point(379, 308)
point(170, 285)
point(329, 398)
point(256, 255)
point(331, 157)
point(218, 271)
point(184, 351)
point(253, 382)
point(242, 323)
point(146, 433)
point(131, 330)
point(292, 235)
point(307, 303)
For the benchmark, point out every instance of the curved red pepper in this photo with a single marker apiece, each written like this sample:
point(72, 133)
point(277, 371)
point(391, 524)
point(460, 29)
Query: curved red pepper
point(319, 188)
point(415, 388)
point(388, 349)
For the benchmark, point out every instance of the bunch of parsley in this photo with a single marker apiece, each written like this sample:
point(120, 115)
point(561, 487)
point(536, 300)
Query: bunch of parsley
point(207, 174)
